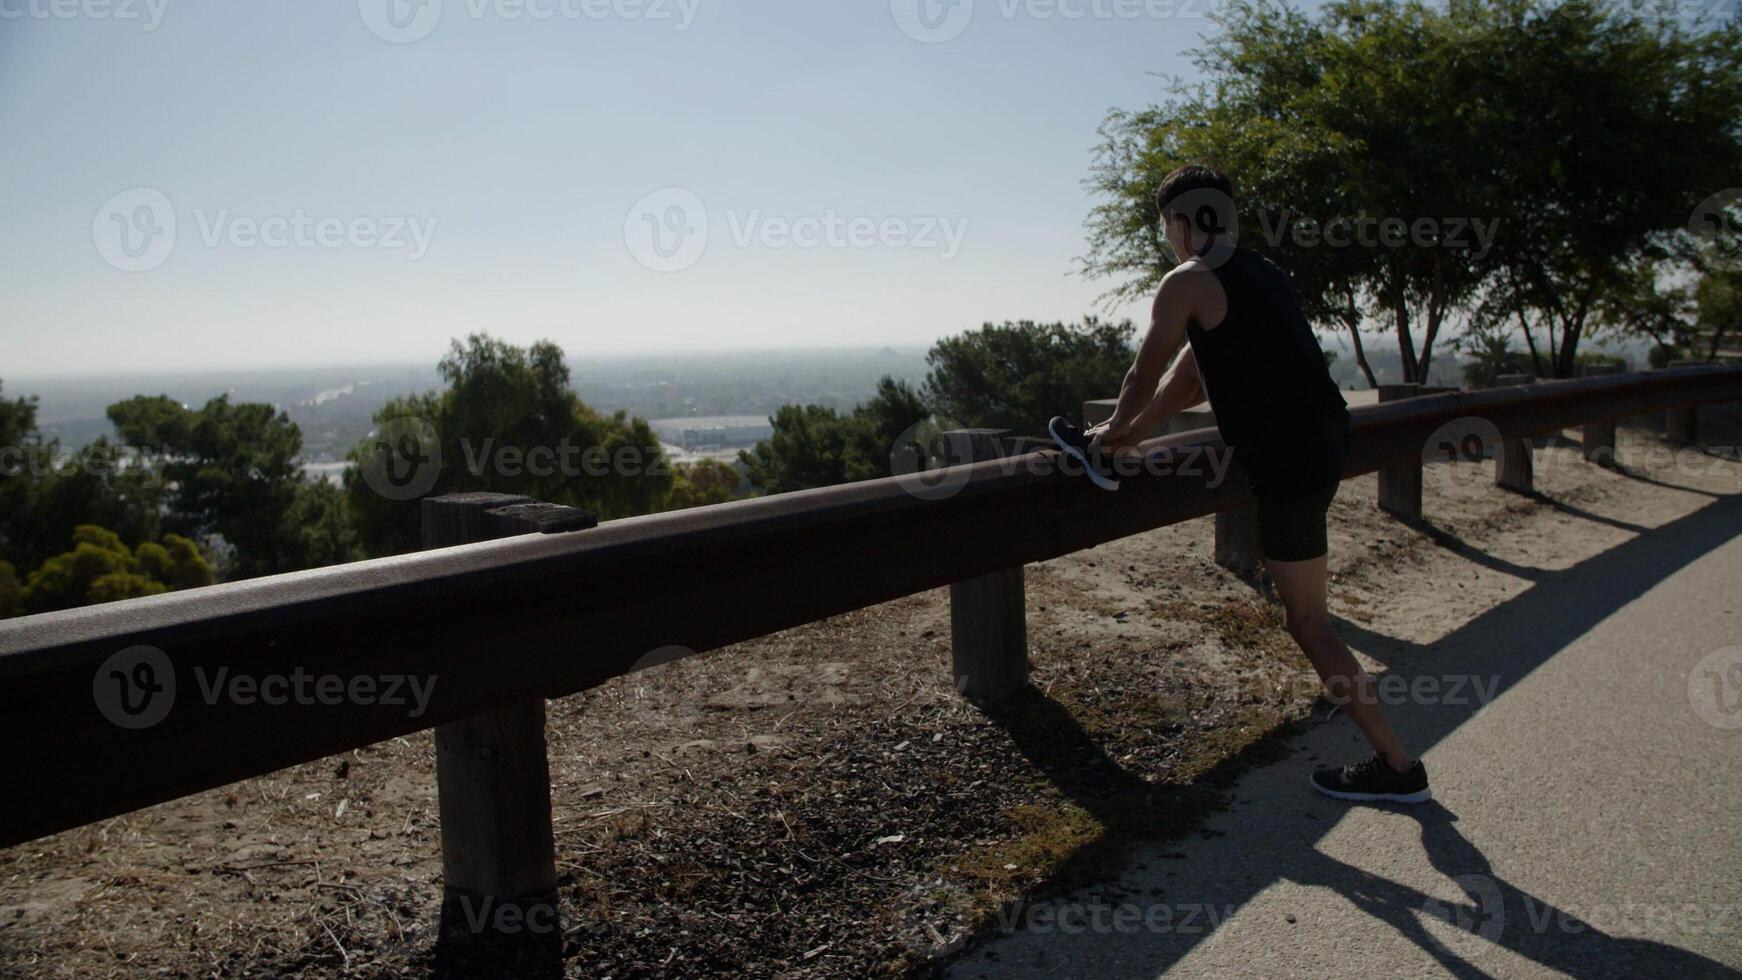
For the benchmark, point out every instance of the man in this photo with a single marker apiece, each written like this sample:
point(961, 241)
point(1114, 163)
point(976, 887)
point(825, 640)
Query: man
point(1254, 356)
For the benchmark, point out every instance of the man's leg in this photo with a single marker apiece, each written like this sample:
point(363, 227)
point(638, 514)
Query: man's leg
point(1301, 584)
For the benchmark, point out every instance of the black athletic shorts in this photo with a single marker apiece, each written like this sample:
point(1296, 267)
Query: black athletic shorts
point(1291, 526)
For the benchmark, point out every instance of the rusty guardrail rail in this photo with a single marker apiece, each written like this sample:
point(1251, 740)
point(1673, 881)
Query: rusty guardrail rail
point(544, 616)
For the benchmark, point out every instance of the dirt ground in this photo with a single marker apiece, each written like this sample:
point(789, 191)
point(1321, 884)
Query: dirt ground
point(820, 802)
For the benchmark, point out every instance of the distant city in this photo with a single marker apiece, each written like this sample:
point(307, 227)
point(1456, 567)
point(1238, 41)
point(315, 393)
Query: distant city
point(700, 405)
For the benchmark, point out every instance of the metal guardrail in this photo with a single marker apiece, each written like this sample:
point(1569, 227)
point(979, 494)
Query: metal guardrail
point(500, 622)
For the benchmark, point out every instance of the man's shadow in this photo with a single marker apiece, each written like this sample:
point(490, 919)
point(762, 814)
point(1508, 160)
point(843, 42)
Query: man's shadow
point(1492, 913)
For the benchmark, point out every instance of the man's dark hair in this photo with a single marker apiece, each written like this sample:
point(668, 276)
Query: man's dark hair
point(1191, 177)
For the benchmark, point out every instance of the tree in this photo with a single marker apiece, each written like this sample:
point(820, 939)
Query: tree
point(816, 446)
point(508, 422)
point(1687, 300)
point(319, 525)
point(231, 469)
point(100, 568)
point(1017, 375)
point(1613, 129)
point(1504, 158)
point(1489, 347)
point(11, 591)
point(704, 482)
point(1333, 151)
point(45, 493)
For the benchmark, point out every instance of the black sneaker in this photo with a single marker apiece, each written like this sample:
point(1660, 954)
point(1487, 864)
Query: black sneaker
point(1374, 781)
point(1076, 446)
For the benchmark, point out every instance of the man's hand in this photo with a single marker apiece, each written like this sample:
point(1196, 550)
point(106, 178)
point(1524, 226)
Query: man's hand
point(1104, 433)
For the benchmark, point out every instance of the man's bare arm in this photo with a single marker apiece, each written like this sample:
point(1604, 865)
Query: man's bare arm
point(1181, 388)
point(1175, 302)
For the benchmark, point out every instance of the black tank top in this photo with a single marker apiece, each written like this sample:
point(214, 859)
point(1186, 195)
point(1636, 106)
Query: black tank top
point(1267, 380)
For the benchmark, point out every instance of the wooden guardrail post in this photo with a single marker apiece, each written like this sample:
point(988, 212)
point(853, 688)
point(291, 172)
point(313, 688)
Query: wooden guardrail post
point(493, 779)
point(1682, 423)
point(1517, 470)
point(1598, 435)
point(1400, 486)
point(988, 614)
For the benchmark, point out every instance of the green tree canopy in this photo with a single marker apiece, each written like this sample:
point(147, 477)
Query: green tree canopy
point(507, 422)
point(100, 568)
point(1018, 375)
point(1508, 158)
point(704, 482)
point(816, 446)
point(46, 492)
point(230, 469)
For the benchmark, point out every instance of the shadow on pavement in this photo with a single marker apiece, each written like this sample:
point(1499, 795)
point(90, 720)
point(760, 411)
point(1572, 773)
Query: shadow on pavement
point(1505, 644)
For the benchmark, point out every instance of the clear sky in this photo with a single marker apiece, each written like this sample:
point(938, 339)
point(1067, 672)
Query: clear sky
point(616, 175)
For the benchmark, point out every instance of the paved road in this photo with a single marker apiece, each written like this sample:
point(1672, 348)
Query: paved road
point(1588, 819)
